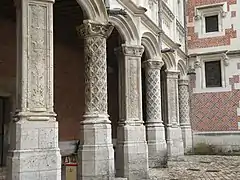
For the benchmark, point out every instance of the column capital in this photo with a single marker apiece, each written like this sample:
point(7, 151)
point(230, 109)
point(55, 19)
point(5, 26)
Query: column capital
point(131, 50)
point(88, 29)
point(183, 82)
point(153, 64)
point(172, 74)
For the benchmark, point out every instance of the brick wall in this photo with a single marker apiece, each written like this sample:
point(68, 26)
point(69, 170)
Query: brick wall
point(215, 111)
point(193, 37)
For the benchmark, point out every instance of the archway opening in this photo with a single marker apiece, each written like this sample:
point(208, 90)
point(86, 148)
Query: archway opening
point(114, 43)
point(8, 44)
point(68, 73)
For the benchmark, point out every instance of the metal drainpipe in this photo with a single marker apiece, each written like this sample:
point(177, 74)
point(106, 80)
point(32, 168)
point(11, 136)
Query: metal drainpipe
point(185, 24)
point(160, 10)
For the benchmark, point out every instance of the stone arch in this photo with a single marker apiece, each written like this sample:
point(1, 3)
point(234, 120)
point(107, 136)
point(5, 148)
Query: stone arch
point(151, 45)
point(182, 68)
point(126, 28)
point(95, 10)
point(168, 59)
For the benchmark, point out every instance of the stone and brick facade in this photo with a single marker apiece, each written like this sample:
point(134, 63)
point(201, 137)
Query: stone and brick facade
point(214, 110)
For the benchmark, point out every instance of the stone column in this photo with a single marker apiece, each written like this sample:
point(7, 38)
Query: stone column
point(157, 147)
point(132, 150)
point(96, 155)
point(34, 152)
point(184, 114)
point(174, 133)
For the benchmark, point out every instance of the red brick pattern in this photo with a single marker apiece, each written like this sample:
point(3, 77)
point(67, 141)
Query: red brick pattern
point(194, 40)
point(216, 111)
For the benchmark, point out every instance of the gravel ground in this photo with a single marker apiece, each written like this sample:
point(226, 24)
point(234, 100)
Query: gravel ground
point(200, 168)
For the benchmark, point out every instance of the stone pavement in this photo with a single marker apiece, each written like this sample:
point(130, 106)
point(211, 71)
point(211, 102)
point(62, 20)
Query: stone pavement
point(196, 168)
point(200, 168)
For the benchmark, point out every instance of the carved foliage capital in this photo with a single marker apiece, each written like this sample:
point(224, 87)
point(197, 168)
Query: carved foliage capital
point(134, 51)
point(94, 29)
point(153, 64)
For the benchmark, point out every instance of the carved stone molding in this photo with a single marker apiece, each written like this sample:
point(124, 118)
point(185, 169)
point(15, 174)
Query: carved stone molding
point(134, 51)
point(225, 59)
point(94, 29)
point(153, 64)
point(172, 74)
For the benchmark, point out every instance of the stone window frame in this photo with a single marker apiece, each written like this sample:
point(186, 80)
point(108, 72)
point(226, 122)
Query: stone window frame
point(200, 73)
point(201, 12)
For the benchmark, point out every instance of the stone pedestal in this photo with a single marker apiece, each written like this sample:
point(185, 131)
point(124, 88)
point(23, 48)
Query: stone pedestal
point(34, 152)
point(184, 114)
point(174, 133)
point(96, 155)
point(157, 147)
point(132, 149)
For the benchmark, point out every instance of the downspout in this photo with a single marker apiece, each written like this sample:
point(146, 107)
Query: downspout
point(185, 25)
point(160, 11)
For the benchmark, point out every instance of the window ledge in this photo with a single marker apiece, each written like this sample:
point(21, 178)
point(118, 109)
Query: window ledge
point(211, 34)
point(213, 89)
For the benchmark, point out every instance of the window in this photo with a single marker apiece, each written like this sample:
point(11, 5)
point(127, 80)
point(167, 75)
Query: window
point(211, 23)
point(213, 74)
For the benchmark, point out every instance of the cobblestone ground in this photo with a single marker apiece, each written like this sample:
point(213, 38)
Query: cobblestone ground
point(200, 168)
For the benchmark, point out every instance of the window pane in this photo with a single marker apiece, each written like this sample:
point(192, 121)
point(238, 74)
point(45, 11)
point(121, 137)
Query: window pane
point(213, 74)
point(211, 23)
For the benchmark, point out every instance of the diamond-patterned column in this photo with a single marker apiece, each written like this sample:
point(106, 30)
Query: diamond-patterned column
point(157, 147)
point(96, 155)
point(132, 149)
point(184, 114)
point(34, 152)
point(174, 133)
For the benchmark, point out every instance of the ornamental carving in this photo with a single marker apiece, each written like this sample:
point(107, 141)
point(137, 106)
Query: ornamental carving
point(153, 94)
point(37, 61)
point(95, 75)
point(134, 51)
point(153, 64)
point(133, 88)
point(183, 101)
point(94, 29)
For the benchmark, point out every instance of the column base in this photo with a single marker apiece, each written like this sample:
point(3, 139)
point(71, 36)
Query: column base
point(174, 141)
point(132, 152)
point(157, 146)
point(34, 152)
point(96, 154)
point(187, 138)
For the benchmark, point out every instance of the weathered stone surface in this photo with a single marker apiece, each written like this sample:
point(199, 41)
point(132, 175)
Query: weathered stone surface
point(157, 147)
point(174, 134)
point(131, 150)
point(184, 114)
point(34, 152)
point(96, 155)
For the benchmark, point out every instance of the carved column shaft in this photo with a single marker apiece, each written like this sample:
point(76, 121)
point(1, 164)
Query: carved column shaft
point(184, 114)
point(157, 151)
point(153, 91)
point(174, 133)
point(95, 67)
point(34, 151)
point(96, 155)
point(183, 102)
point(172, 91)
point(131, 133)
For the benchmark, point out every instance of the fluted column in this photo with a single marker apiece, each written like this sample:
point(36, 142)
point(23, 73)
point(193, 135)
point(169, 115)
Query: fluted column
point(157, 147)
point(174, 133)
point(132, 150)
point(34, 152)
point(184, 114)
point(96, 155)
